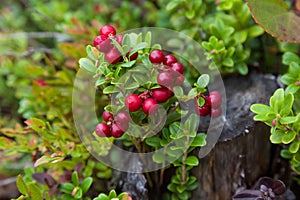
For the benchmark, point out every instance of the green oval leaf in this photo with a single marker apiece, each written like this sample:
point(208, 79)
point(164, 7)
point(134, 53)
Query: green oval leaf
point(75, 179)
point(86, 184)
point(87, 64)
point(203, 81)
point(294, 147)
point(288, 137)
point(192, 161)
point(21, 185)
point(275, 18)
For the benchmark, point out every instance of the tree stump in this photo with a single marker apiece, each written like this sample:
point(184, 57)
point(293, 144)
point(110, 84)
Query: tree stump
point(243, 151)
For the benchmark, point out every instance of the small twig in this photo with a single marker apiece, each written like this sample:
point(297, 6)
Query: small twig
point(8, 181)
point(58, 36)
point(29, 52)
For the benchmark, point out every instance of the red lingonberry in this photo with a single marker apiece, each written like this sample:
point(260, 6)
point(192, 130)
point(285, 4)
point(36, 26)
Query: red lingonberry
point(119, 39)
point(149, 106)
point(297, 83)
point(102, 43)
point(41, 82)
point(106, 115)
point(133, 102)
point(214, 99)
point(170, 91)
point(203, 110)
point(179, 80)
point(216, 112)
point(107, 30)
point(123, 117)
point(116, 131)
point(169, 60)
point(156, 56)
point(177, 67)
point(113, 56)
point(160, 94)
point(103, 130)
point(165, 79)
point(133, 56)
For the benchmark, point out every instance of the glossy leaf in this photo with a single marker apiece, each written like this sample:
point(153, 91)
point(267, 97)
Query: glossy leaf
point(153, 141)
point(288, 137)
point(260, 109)
point(35, 192)
point(88, 65)
point(203, 81)
point(86, 184)
point(275, 18)
point(75, 179)
point(67, 188)
point(21, 185)
point(192, 161)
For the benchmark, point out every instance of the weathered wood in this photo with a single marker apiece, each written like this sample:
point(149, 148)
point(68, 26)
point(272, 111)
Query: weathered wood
point(242, 153)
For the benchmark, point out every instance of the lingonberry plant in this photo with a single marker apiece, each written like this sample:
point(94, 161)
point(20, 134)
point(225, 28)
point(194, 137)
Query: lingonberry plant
point(283, 112)
point(142, 81)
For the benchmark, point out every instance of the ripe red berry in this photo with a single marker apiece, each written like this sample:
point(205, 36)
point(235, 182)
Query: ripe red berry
point(40, 82)
point(123, 117)
point(177, 67)
point(102, 43)
point(160, 94)
point(133, 102)
point(203, 110)
point(149, 106)
point(169, 60)
point(170, 90)
point(113, 56)
point(116, 131)
point(216, 112)
point(133, 56)
point(156, 56)
point(214, 99)
point(107, 30)
point(165, 79)
point(119, 39)
point(103, 130)
point(106, 115)
point(179, 80)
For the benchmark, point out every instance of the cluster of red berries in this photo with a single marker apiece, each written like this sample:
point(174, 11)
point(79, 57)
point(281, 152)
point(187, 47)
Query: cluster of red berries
point(148, 100)
point(103, 43)
point(171, 74)
point(113, 125)
point(212, 105)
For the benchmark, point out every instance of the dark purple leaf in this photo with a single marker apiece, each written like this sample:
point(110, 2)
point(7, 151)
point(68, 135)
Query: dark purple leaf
point(268, 182)
point(247, 195)
point(66, 177)
point(78, 167)
point(278, 187)
point(53, 190)
point(44, 179)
